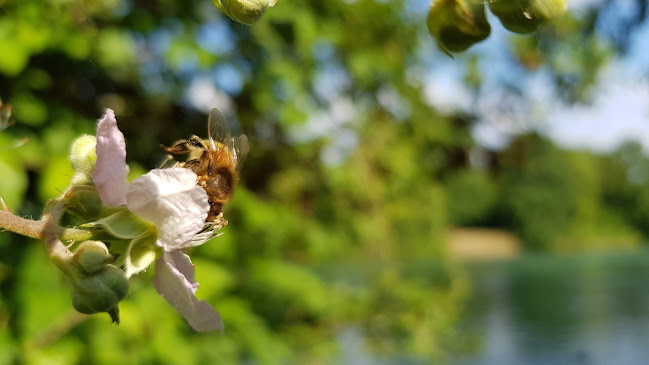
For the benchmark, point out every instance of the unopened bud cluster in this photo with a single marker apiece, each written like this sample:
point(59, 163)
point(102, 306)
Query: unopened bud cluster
point(456, 25)
point(98, 286)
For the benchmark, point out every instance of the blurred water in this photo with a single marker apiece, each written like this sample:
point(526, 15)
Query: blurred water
point(582, 310)
point(553, 310)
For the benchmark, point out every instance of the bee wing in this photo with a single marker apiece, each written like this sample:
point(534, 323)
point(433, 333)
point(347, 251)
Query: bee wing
point(240, 148)
point(218, 128)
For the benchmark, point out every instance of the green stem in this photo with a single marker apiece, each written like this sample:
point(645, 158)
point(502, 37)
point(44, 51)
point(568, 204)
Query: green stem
point(58, 252)
point(34, 229)
point(74, 234)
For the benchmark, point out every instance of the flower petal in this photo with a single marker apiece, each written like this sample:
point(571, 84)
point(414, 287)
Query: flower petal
point(172, 285)
point(110, 171)
point(183, 264)
point(171, 200)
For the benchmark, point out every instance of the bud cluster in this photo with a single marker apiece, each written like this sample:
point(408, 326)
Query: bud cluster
point(97, 286)
point(458, 24)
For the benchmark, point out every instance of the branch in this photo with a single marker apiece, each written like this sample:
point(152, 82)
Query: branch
point(34, 229)
point(23, 226)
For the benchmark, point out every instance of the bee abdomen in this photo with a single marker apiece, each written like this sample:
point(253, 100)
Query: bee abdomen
point(220, 185)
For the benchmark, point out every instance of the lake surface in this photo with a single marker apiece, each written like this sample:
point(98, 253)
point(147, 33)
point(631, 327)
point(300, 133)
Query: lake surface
point(591, 309)
point(585, 310)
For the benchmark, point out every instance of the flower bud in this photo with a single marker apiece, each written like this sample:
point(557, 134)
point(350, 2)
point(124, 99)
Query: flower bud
point(244, 11)
point(82, 205)
point(92, 256)
point(83, 158)
point(457, 24)
point(525, 16)
point(100, 292)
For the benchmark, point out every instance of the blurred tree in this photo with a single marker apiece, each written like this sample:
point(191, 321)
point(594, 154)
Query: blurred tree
point(538, 190)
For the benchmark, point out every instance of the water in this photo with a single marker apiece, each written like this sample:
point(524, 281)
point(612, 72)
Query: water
point(583, 310)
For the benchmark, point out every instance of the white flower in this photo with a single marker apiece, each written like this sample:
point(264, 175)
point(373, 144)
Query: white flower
point(171, 200)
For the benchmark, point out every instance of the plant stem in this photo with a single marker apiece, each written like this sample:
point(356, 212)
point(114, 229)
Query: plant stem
point(23, 226)
point(58, 252)
point(34, 229)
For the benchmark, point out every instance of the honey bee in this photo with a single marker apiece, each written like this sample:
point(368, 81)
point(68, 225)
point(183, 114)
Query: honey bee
point(216, 160)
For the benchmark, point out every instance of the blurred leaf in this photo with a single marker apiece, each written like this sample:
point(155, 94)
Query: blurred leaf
point(43, 295)
point(251, 332)
point(14, 176)
point(115, 48)
point(29, 109)
point(66, 351)
point(55, 178)
point(286, 292)
point(214, 279)
point(14, 56)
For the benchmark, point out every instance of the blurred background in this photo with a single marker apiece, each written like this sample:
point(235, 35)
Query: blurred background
point(398, 206)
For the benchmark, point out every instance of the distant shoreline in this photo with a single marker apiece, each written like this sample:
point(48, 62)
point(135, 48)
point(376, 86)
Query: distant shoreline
point(485, 244)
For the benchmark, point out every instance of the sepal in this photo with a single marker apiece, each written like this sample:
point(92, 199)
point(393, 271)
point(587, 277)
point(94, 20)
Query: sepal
point(141, 252)
point(122, 224)
point(82, 204)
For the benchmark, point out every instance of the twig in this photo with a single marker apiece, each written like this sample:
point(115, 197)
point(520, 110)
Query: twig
point(23, 226)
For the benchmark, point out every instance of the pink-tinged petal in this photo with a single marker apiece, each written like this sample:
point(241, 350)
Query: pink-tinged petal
point(172, 285)
point(110, 171)
point(171, 200)
point(183, 264)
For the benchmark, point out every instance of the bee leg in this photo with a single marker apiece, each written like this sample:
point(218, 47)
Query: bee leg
point(186, 146)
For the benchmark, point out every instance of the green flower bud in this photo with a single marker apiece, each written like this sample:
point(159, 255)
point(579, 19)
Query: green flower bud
point(457, 24)
point(82, 205)
point(100, 292)
point(92, 256)
point(83, 158)
point(244, 11)
point(525, 16)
